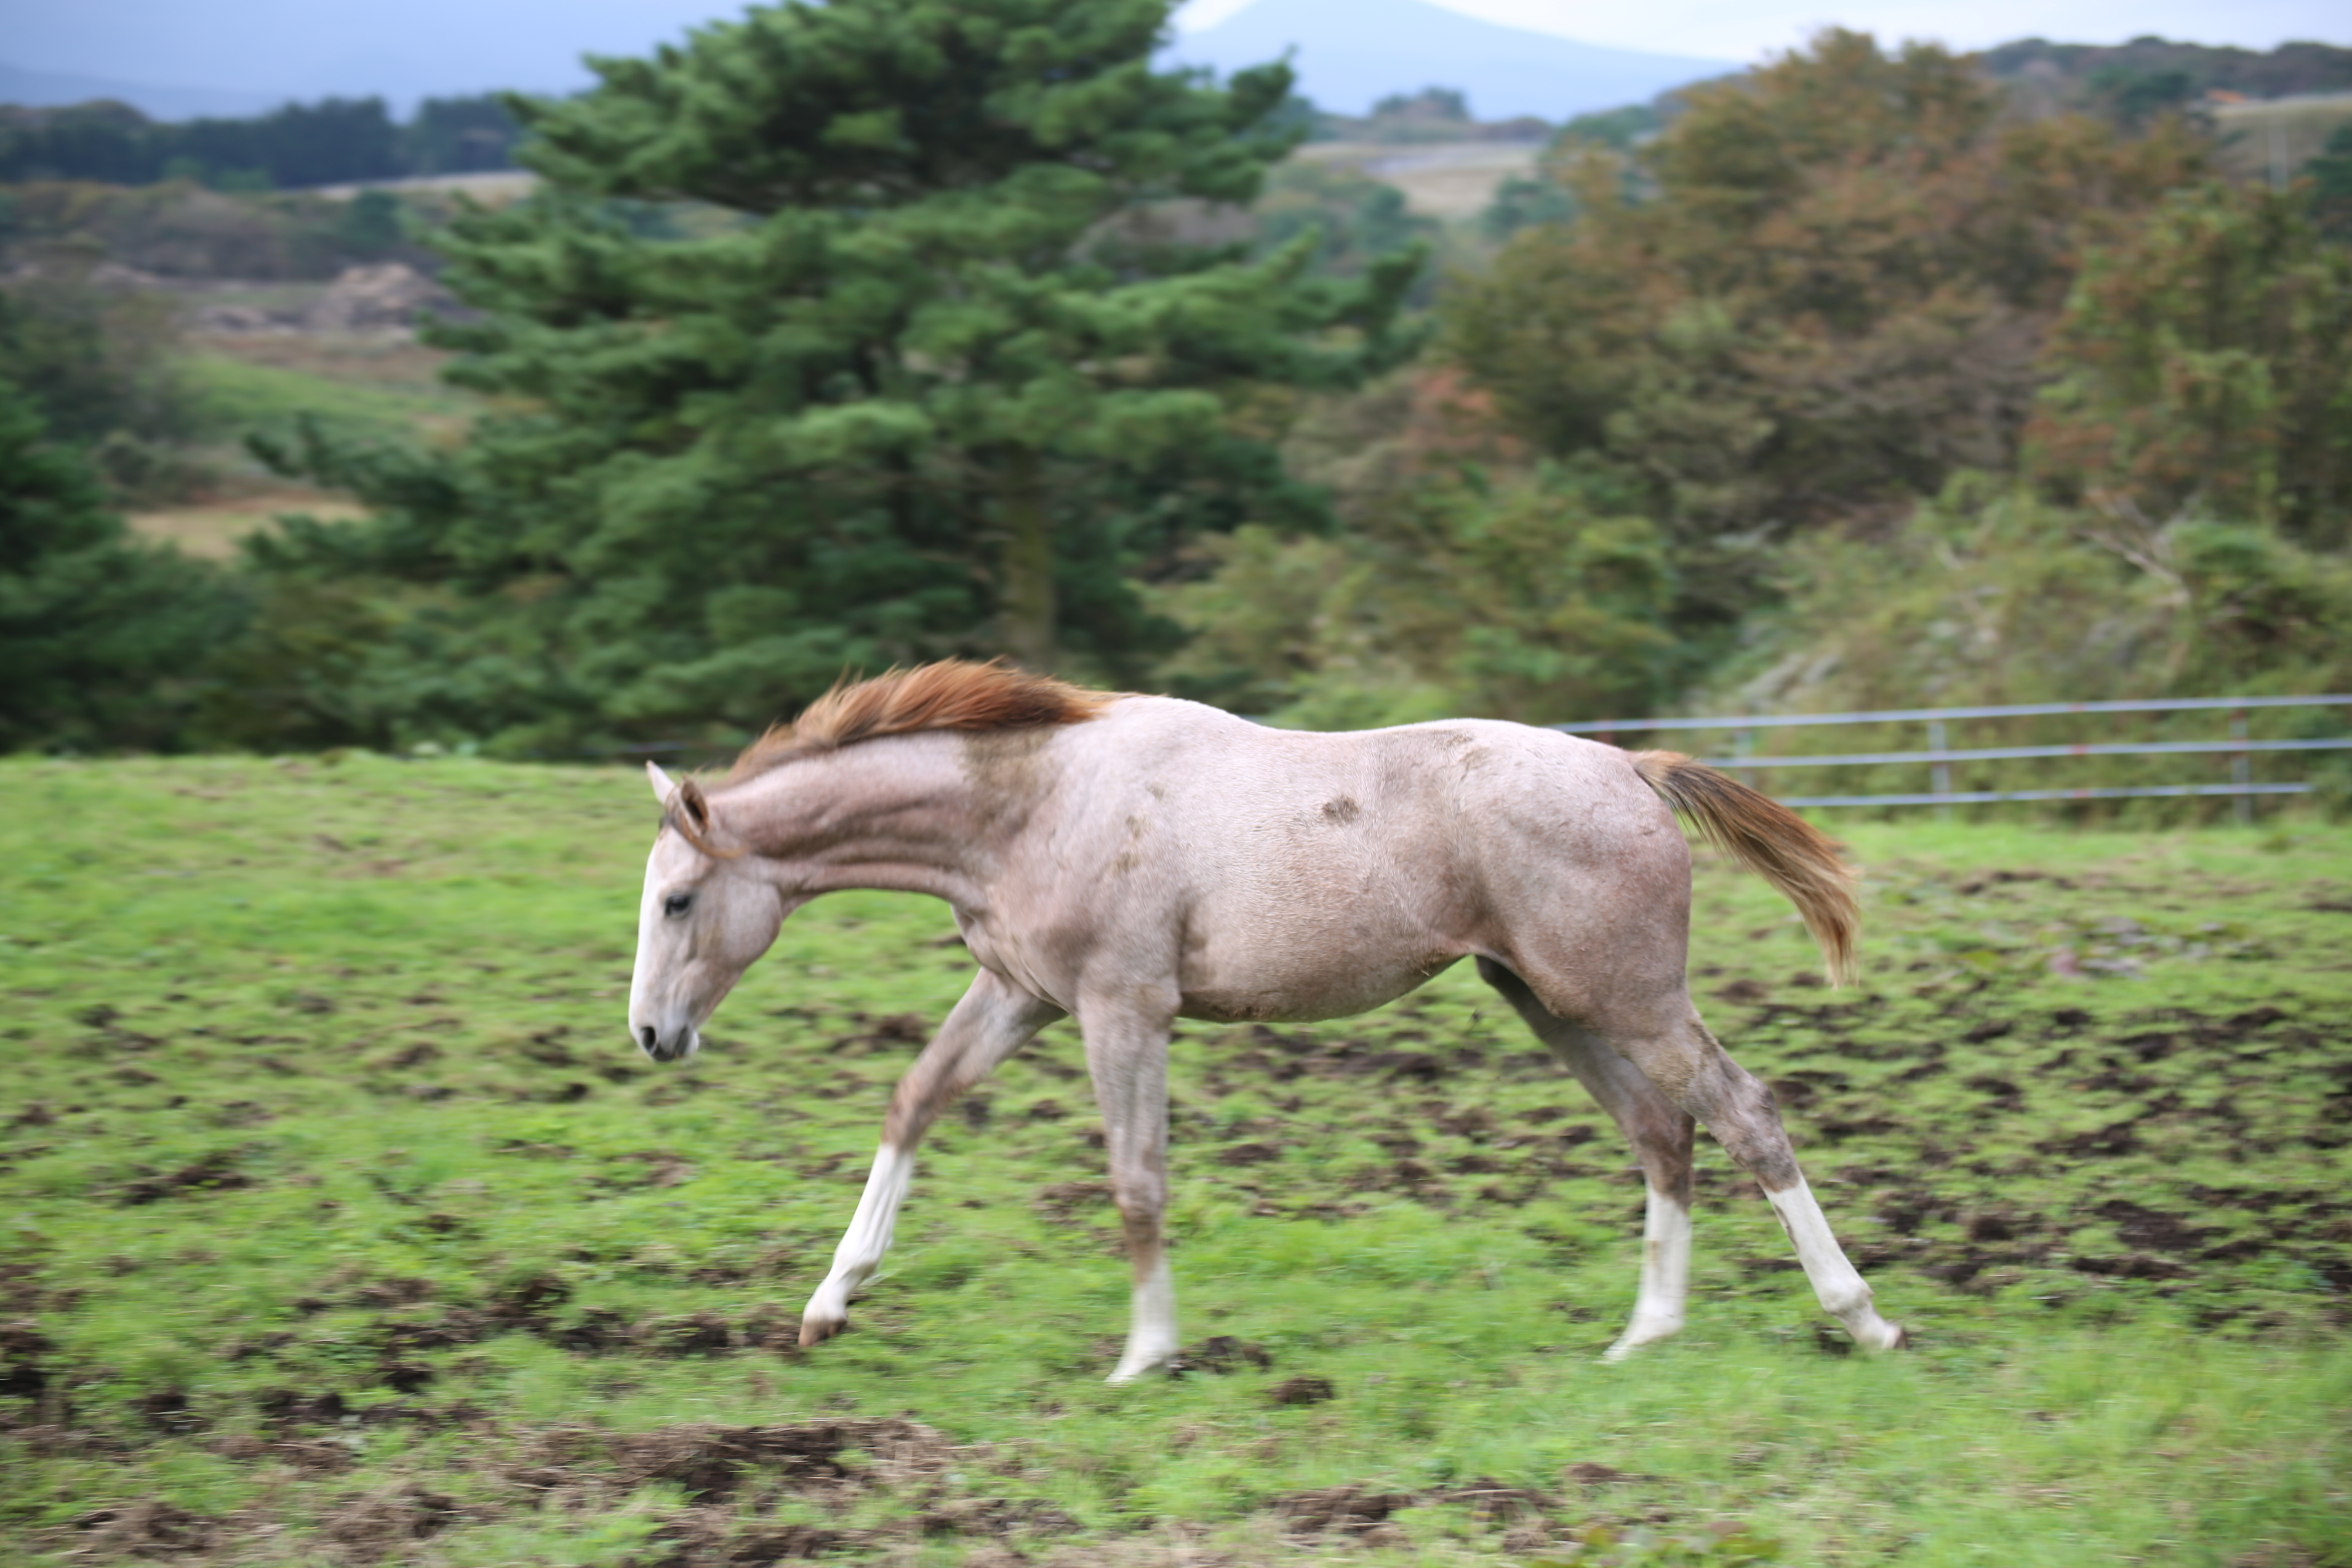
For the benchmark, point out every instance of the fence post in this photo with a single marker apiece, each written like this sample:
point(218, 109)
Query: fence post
point(2241, 769)
point(1941, 772)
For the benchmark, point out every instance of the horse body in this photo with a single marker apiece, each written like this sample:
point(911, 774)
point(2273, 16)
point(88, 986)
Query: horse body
point(1142, 860)
point(1274, 874)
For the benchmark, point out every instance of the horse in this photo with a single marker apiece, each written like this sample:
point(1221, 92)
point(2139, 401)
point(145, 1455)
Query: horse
point(1129, 860)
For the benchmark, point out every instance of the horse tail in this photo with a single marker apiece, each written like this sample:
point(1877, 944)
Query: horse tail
point(1770, 840)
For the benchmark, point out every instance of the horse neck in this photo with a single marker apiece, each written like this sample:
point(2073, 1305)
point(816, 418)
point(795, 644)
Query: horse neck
point(895, 814)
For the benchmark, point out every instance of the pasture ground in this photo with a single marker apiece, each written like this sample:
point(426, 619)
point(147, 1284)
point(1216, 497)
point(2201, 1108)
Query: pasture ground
point(339, 1223)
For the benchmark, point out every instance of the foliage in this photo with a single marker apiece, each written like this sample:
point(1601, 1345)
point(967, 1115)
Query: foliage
point(1433, 114)
point(334, 140)
point(920, 395)
point(330, 1179)
point(1451, 588)
point(1990, 594)
point(460, 135)
point(99, 636)
point(94, 359)
point(2330, 174)
point(1362, 225)
point(2205, 364)
point(1439, 103)
point(1831, 297)
point(1623, 129)
point(1523, 201)
point(2150, 72)
point(182, 229)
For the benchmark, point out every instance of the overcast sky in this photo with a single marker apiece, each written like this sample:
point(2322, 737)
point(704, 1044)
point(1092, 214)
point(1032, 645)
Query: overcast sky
point(309, 48)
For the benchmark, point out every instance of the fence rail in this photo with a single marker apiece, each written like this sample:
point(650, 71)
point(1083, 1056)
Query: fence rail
point(1939, 757)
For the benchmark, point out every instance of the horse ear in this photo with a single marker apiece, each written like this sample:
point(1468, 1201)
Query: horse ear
point(691, 801)
point(662, 786)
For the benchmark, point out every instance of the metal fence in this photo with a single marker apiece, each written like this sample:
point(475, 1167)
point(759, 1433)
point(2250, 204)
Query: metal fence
point(1939, 755)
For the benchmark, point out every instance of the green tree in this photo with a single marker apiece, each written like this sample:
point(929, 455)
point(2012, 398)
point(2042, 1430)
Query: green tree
point(907, 383)
point(2330, 174)
point(101, 638)
point(94, 359)
point(1816, 293)
point(2205, 364)
point(1462, 580)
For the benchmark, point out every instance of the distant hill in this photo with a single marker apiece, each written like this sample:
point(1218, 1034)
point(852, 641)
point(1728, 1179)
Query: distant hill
point(1353, 53)
point(52, 89)
point(2158, 72)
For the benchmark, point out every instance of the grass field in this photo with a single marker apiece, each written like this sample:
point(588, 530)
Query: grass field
point(342, 1225)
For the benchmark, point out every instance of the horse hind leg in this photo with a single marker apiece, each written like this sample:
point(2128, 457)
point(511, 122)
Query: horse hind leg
point(1127, 1051)
point(1688, 1064)
point(1660, 1135)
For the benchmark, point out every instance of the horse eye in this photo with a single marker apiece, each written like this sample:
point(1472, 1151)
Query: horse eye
point(678, 904)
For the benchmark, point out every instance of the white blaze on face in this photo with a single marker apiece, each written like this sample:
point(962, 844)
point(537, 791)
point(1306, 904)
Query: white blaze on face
point(658, 1023)
point(702, 919)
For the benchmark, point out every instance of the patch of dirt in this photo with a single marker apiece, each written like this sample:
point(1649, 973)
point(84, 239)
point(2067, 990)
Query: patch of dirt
point(996, 1517)
point(692, 1335)
point(215, 1172)
point(1347, 1510)
point(1065, 1203)
point(380, 1525)
point(289, 1408)
point(709, 1462)
point(2153, 1229)
point(168, 1411)
point(1302, 1390)
point(1490, 1499)
point(152, 1529)
point(1221, 1353)
point(22, 1346)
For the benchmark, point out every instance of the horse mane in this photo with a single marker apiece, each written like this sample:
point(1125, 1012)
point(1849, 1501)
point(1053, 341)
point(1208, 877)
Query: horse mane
point(954, 694)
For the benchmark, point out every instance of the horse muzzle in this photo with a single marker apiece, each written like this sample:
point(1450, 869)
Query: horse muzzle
point(674, 1046)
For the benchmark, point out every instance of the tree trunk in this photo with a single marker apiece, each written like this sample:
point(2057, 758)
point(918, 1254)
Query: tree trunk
point(1026, 601)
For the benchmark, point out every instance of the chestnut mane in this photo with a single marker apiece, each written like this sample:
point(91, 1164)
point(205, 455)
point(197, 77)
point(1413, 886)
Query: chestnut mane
point(954, 694)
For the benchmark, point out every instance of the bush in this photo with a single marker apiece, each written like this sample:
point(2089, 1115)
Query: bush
point(1993, 595)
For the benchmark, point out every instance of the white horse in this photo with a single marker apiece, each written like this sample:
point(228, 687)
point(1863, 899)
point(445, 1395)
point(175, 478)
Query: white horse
point(1130, 860)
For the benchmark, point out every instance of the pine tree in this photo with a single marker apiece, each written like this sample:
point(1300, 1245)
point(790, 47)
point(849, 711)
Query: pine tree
point(100, 637)
point(867, 332)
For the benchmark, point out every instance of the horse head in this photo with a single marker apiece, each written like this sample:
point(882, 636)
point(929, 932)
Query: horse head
point(706, 914)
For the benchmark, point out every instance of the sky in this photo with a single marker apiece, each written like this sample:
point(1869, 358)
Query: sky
point(308, 48)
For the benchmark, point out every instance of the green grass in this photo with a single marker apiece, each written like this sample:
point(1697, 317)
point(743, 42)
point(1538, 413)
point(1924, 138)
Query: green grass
point(238, 395)
point(338, 1221)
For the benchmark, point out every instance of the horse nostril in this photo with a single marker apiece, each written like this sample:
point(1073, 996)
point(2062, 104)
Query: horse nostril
point(645, 1038)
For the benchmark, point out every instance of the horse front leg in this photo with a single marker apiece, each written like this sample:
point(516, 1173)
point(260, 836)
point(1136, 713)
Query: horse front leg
point(1127, 1051)
point(993, 1019)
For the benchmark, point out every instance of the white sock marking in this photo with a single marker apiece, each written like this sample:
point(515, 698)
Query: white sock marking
point(867, 1238)
point(1151, 1334)
point(1665, 1275)
point(1843, 1292)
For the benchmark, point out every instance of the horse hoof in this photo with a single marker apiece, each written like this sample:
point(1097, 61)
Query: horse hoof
point(816, 1330)
point(1635, 1338)
point(1127, 1371)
